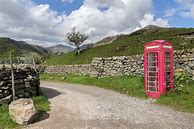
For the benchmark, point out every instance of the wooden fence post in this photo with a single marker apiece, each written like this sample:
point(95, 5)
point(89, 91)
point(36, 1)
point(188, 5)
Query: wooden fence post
point(12, 76)
point(34, 63)
point(37, 74)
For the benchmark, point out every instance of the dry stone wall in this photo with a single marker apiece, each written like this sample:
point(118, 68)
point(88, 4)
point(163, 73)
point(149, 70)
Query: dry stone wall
point(26, 82)
point(184, 59)
point(122, 65)
point(69, 69)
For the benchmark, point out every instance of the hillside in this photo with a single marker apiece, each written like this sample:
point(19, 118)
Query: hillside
point(20, 48)
point(104, 41)
point(57, 49)
point(129, 45)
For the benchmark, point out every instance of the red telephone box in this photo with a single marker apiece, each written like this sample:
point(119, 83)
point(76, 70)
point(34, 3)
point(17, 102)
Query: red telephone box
point(158, 68)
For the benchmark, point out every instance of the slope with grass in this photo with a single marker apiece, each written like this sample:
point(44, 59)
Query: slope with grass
point(128, 45)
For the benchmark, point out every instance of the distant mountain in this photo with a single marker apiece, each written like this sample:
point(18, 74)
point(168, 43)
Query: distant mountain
point(106, 40)
point(20, 48)
point(57, 49)
point(85, 46)
point(148, 29)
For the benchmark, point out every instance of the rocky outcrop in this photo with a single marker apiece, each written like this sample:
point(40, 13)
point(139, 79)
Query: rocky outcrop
point(23, 111)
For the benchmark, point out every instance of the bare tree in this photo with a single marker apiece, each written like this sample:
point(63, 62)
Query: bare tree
point(77, 38)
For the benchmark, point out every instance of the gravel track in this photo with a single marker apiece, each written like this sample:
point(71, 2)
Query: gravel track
point(75, 106)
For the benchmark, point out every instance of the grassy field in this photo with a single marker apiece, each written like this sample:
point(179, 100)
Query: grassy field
point(132, 86)
point(124, 45)
point(41, 103)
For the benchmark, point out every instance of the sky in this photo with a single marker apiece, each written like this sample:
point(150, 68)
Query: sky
point(46, 22)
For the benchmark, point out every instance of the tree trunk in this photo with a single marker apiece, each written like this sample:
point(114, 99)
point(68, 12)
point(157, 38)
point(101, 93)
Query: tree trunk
point(78, 50)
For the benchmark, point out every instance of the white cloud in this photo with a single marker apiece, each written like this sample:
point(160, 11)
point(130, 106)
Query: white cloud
point(23, 19)
point(185, 3)
point(67, 1)
point(189, 13)
point(149, 20)
point(170, 12)
point(186, 8)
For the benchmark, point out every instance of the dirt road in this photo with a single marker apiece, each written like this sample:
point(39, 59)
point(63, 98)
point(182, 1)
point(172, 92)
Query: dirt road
point(76, 106)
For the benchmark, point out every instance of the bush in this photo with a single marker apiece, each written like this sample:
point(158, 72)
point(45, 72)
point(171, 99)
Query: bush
point(181, 79)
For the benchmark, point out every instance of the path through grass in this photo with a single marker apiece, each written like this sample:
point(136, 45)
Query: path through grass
point(132, 86)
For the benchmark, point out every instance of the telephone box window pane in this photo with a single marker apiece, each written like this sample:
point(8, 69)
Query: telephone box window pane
point(167, 69)
point(152, 83)
point(167, 64)
point(153, 54)
point(152, 69)
point(168, 60)
point(152, 79)
point(152, 63)
point(152, 88)
point(151, 60)
point(168, 86)
point(167, 78)
point(152, 74)
point(167, 54)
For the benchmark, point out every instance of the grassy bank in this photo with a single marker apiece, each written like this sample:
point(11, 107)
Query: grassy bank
point(132, 86)
point(41, 103)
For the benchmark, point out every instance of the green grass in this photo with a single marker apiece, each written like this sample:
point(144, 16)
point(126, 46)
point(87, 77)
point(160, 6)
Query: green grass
point(132, 86)
point(41, 103)
point(5, 120)
point(123, 46)
point(181, 101)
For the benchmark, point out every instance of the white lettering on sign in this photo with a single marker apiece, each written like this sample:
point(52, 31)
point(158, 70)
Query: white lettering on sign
point(167, 46)
point(150, 47)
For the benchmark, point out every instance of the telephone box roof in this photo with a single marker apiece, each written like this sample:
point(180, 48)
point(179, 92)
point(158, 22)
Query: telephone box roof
point(158, 42)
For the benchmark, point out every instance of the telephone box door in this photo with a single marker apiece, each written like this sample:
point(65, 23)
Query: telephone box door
point(152, 74)
point(168, 71)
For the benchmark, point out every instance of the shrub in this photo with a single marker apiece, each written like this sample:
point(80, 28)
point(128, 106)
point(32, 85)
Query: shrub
point(181, 79)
